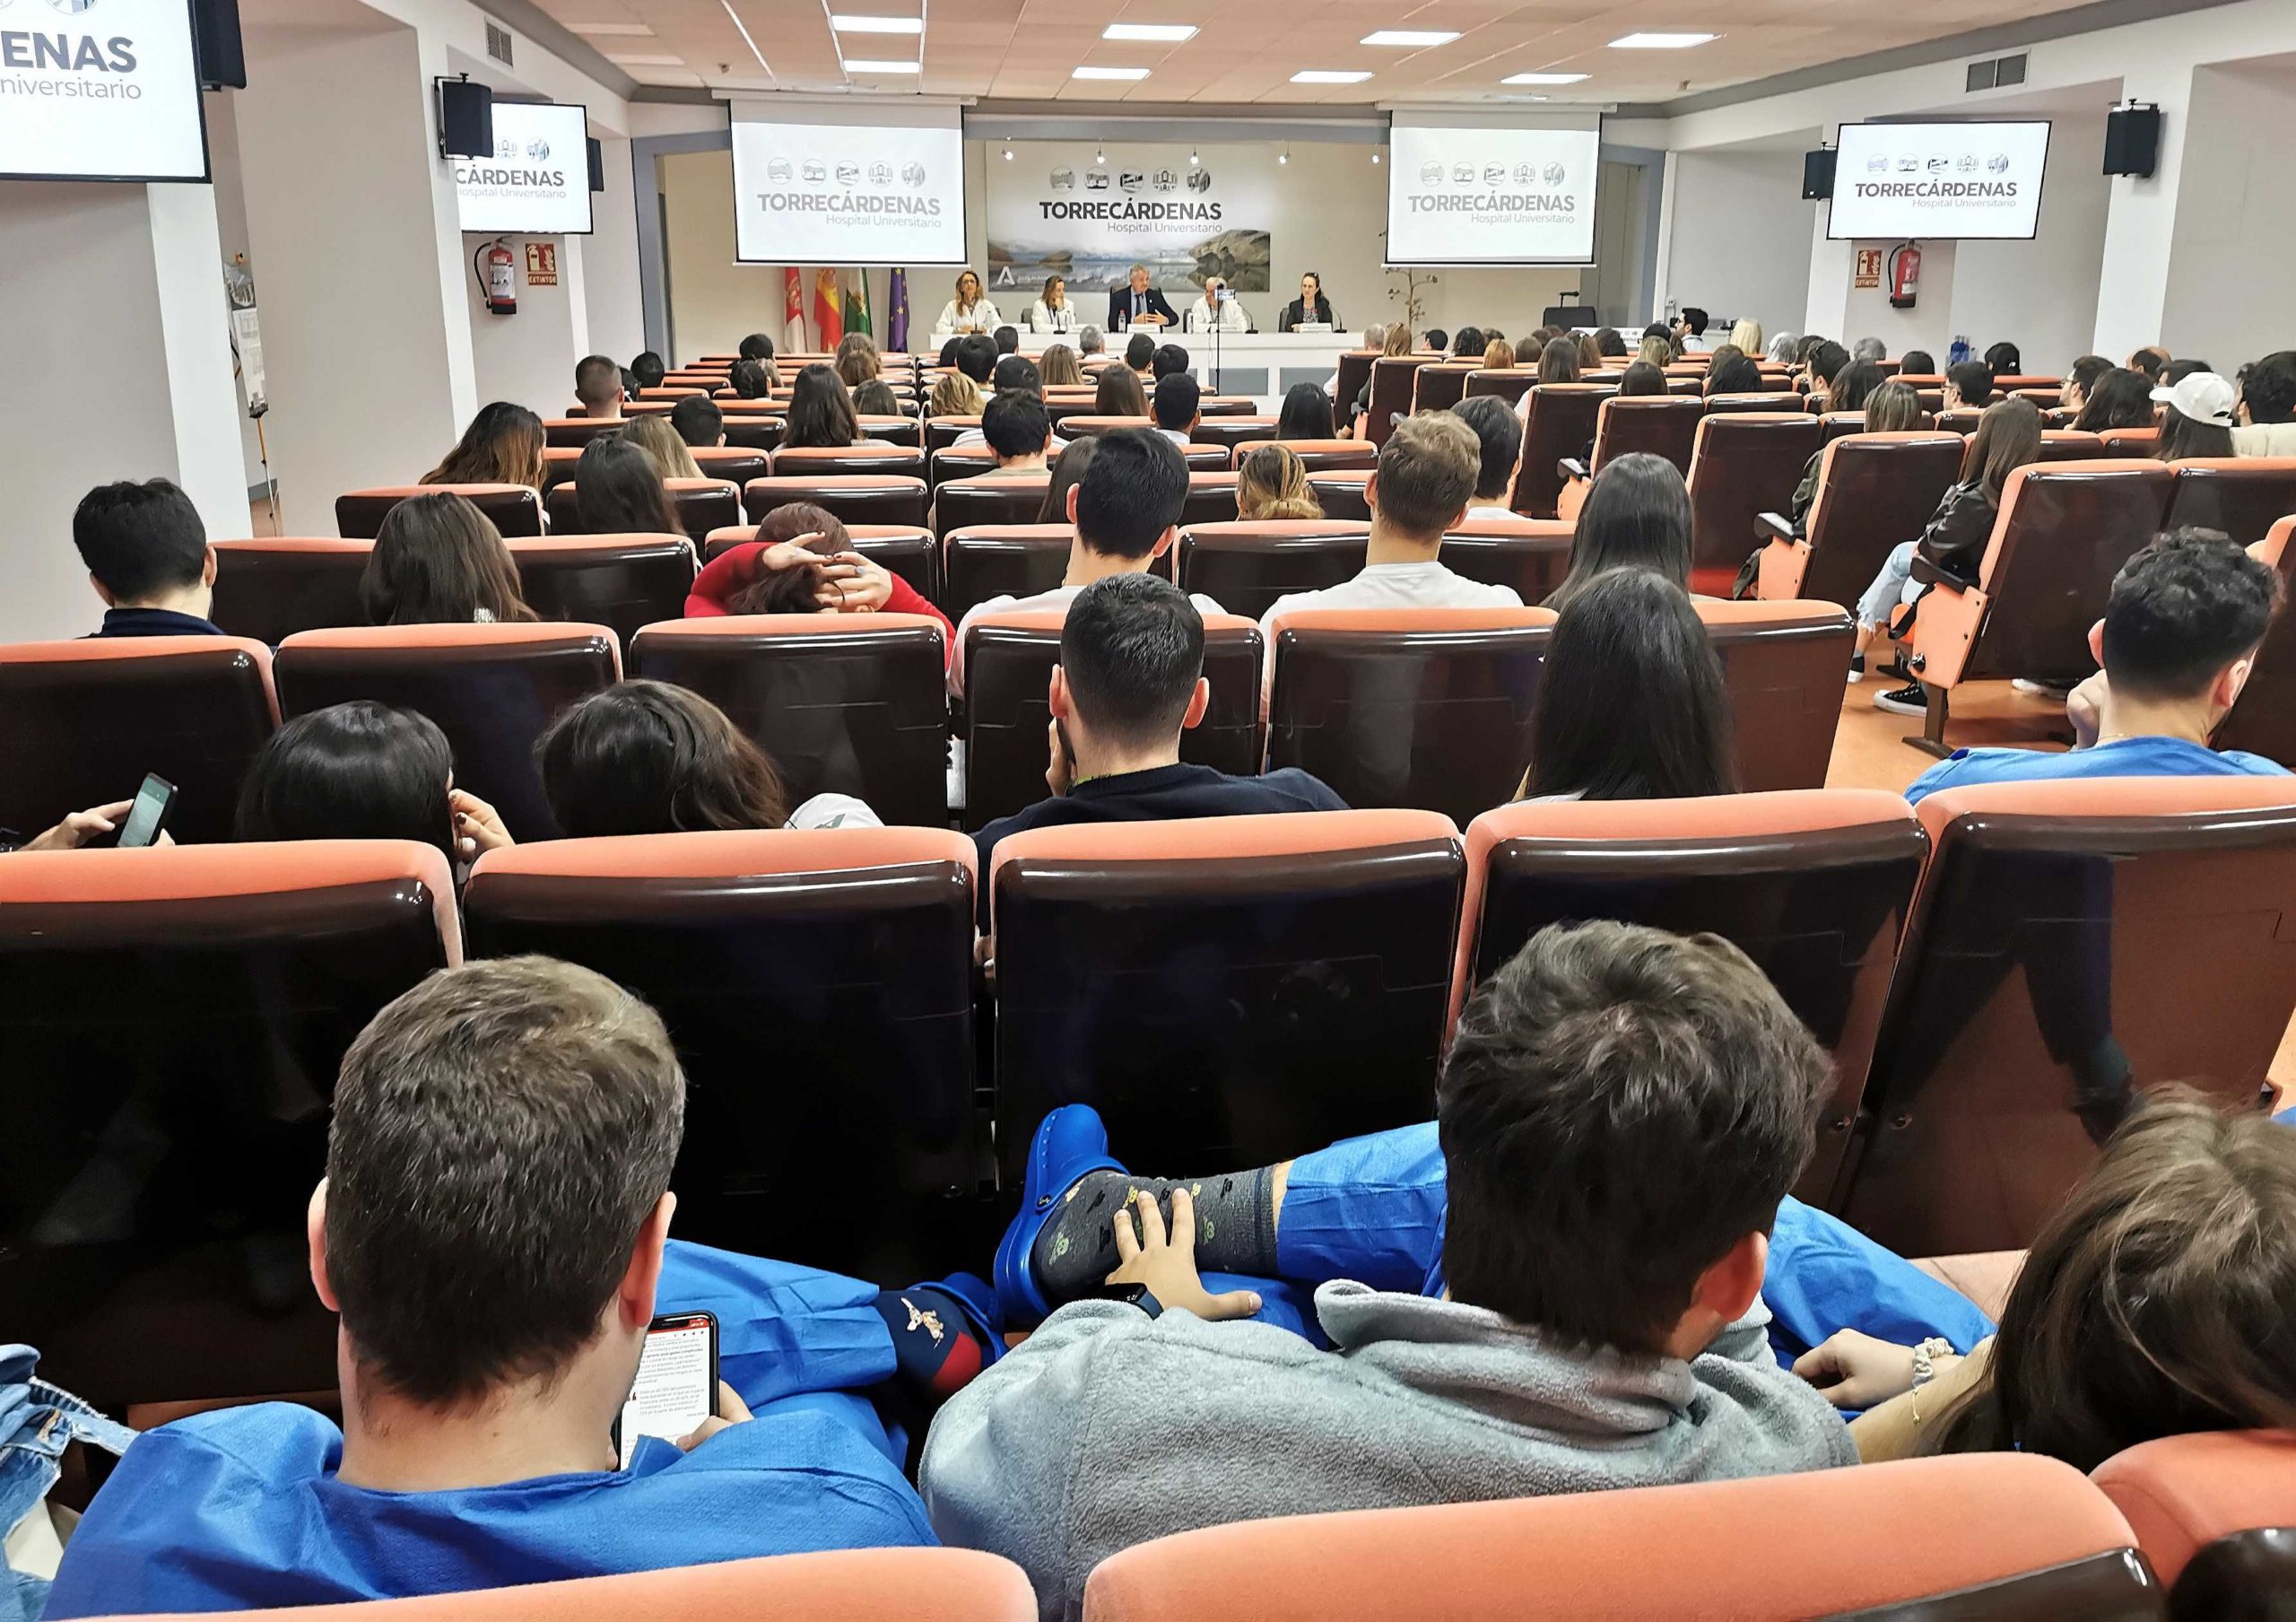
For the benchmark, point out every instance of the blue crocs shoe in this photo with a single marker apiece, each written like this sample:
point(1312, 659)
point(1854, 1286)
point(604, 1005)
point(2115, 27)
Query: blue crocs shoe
point(982, 1310)
point(1071, 1142)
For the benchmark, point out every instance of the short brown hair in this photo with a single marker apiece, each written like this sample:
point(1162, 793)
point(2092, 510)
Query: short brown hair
point(1428, 470)
point(501, 1134)
point(1619, 1107)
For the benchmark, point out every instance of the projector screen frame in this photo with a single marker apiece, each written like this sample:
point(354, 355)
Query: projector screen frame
point(1842, 177)
point(206, 175)
point(582, 175)
point(1429, 119)
point(799, 104)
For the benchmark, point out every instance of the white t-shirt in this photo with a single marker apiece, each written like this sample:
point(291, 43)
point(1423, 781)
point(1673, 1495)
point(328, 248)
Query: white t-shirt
point(1397, 586)
point(834, 811)
point(1058, 598)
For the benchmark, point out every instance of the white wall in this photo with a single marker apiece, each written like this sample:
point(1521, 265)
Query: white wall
point(617, 315)
point(529, 357)
point(2228, 291)
point(1741, 243)
point(2042, 294)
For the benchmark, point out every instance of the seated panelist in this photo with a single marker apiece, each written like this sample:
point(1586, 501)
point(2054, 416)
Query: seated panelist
point(1139, 304)
point(1310, 306)
point(1053, 313)
point(1218, 309)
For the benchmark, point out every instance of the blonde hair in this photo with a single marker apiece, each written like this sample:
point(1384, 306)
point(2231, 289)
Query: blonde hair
point(955, 395)
point(1272, 483)
point(663, 448)
point(1397, 342)
point(1747, 336)
point(1058, 365)
point(1497, 354)
point(1658, 351)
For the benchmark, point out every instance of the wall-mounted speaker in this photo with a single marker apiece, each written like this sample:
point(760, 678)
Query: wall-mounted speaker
point(215, 44)
point(598, 165)
point(2131, 140)
point(1817, 174)
point(465, 119)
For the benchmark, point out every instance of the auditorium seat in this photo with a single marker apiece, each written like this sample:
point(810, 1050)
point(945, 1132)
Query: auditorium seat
point(2070, 445)
point(1742, 465)
point(1560, 424)
point(81, 721)
point(857, 497)
point(2131, 441)
point(1813, 885)
point(959, 462)
point(2263, 719)
point(907, 550)
point(1227, 991)
point(1425, 708)
point(2072, 943)
point(1005, 498)
point(1441, 385)
point(1509, 383)
point(1739, 405)
point(1875, 492)
point(1227, 404)
point(737, 464)
point(982, 561)
point(1785, 664)
point(1211, 498)
point(902, 430)
point(1008, 660)
point(1837, 424)
point(821, 461)
point(1659, 425)
point(850, 704)
point(2215, 1513)
point(1244, 430)
point(491, 689)
point(818, 986)
point(574, 433)
point(702, 505)
point(1321, 456)
point(622, 582)
point(514, 509)
point(1244, 566)
point(1077, 425)
point(2243, 496)
point(1998, 1537)
point(1354, 371)
point(1339, 492)
point(1392, 377)
point(1959, 419)
point(1528, 556)
point(2064, 531)
point(174, 1020)
point(941, 433)
point(754, 430)
point(268, 589)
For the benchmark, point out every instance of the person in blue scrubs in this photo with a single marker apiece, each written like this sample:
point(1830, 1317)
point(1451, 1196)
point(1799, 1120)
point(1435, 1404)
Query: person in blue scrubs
point(492, 1233)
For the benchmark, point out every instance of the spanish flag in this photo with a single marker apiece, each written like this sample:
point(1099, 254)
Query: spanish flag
point(828, 308)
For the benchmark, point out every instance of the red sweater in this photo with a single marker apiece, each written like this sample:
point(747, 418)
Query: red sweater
point(736, 567)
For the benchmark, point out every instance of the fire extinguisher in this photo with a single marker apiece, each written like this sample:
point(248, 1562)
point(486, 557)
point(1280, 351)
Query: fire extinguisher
point(497, 278)
point(1905, 275)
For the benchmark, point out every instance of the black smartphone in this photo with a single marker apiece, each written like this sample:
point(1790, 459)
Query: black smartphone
point(147, 818)
point(676, 1388)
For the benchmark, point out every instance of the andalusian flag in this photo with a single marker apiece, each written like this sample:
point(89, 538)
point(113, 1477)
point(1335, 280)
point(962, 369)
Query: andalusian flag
point(793, 313)
point(896, 317)
point(828, 312)
point(857, 304)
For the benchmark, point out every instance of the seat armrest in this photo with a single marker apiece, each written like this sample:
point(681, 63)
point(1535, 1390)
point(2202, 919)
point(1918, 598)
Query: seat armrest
point(1774, 526)
point(1572, 467)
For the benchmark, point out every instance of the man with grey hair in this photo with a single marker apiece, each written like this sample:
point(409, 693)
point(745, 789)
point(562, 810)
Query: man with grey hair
point(1868, 349)
point(1782, 347)
point(1139, 304)
point(1091, 340)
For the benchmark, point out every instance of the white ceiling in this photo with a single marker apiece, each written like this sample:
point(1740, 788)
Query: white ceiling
point(1027, 49)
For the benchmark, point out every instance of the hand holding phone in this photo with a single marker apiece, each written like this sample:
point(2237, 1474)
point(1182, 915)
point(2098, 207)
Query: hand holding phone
point(676, 1390)
point(147, 816)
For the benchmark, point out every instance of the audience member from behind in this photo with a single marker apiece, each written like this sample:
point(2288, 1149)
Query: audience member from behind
point(2176, 645)
point(754, 379)
point(1427, 474)
point(1176, 407)
point(656, 437)
point(954, 395)
point(1825, 362)
point(1058, 368)
point(757, 347)
point(503, 445)
point(1007, 339)
point(1559, 362)
point(598, 384)
point(1969, 385)
point(1015, 428)
point(2120, 399)
point(698, 421)
point(1631, 702)
point(977, 357)
point(1869, 349)
point(821, 414)
point(1140, 353)
point(1637, 515)
point(1657, 350)
point(439, 561)
point(646, 757)
point(1498, 432)
point(2268, 407)
point(1118, 394)
point(2079, 380)
point(1745, 336)
point(2151, 361)
point(2196, 417)
point(1169, 358)
point(2005, 360)
point(1091, 340)
point(1916, 363)
point(1733, 374)
point(1620, 1117)
point(363, 770)
point(147, 557)
point(875, 398)
point(1272, 483)
point(491, 1234)
point(1498, 355)
point(801, 560)
point(650, 369)
point(857, 360)
point(1853, 386)
point(1640, 377)
point(1306, 414)
point(619, 490)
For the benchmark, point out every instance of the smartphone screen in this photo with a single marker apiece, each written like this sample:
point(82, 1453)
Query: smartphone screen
point(676, 1388)
point(148, 815)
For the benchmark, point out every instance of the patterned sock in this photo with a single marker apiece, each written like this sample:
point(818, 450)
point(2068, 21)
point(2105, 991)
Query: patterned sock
point(935, 1345)
point(1235, 1227)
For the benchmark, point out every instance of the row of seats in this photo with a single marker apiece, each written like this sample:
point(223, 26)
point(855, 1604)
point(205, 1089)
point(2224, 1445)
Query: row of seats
point(176, 1016)
point(739, 464)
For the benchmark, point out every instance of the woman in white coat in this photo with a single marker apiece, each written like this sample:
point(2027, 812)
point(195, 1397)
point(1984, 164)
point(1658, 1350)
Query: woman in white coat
point(1053, 313)
point(970, 310)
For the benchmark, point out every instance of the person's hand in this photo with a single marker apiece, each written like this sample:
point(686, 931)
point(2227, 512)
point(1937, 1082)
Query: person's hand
point(789, 554)
point(2084, 707)
point(79, 827)
point(478, 826)
point(1056, 775)
point(1166, 1266)
point(1856, 1371)
point(731, 1410)
point(867, 587)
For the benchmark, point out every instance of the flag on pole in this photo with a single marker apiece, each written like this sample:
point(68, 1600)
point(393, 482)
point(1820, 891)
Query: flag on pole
point(828, 316)
point(857, 304)
point(792, 311)
point(897, 314)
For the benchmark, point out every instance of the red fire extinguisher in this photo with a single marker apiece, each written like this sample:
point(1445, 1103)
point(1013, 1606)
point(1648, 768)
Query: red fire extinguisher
point(498, 276)
point(1905, 275)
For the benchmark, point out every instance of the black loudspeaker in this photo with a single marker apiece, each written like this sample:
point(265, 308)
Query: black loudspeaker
point(598, 165)
point(1817, 174)
point(465, 119)
point(215, 44)
point(2131, 140)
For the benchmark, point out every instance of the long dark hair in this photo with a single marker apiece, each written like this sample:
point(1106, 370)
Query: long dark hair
point(1119, 394)
point(1630, 703)
point(1637, 515)
point(355, 771)
point(2008, 437)
point(791, 590)
point(619, 491)
point(1559, 362)
point(1305, 414)
point(1068, 473)
point(503, 445)
point(1853, 386)
point(2182, 436)
point(2121, 398)
point(438, 561)
point(646, 757)
point(2154, 1303)
point(820, 412)
point(1641, 378)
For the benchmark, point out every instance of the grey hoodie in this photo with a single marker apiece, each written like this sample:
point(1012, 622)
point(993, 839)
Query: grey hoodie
point(1106, 1428)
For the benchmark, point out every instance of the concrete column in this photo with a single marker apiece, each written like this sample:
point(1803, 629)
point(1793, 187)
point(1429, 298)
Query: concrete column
point(187, 264)
point(2141, 219)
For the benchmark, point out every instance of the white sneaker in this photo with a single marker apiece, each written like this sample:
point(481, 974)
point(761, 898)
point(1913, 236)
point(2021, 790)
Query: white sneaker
point(2039, 689)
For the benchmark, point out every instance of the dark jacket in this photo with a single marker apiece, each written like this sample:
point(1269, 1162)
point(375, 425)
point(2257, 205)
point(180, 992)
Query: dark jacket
point(1952, 550)
point(1294, 313)
point(1120, 308)
point(155, 622)
point(1806, 493)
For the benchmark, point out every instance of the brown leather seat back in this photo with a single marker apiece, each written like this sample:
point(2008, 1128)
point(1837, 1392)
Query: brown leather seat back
point(2067, 445)
point(1441, 385)
point(1878, 491)
point(622, 582)
point(1003, 498)
point(1744, 465)
point(959, 462)
point(754, 430)
point(2066, 939)
point(1784, 663)
point(1320, 456)
point(513, 508)
point(737, 464)
point(1247, 988)
point(1426, 707)
point(819, 988)
point(1391, 382)
point(1002, 560)
point(2243, 496)
point(1738, 404)
point(1339, 492)
point(1660, 424)
point(902, 430)
point(1244, 430)
point(1354, 371)
point(1528, 556)
point(857, 497)
point(2263, 719)
point(702, 505)
point(174, 1021)
point(1211, 498)
point(1562, 425)
point(1509, 383)
point(1244, 567)
point(942, 433)
point(266, 591)
point(571, 433)
point(814, 462)
point(491, 689)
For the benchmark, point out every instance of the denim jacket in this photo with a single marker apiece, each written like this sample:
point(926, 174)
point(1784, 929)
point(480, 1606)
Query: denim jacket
point(37, 1422)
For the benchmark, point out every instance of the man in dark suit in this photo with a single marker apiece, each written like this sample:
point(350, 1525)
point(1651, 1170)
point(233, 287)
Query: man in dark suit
point(1139, 304)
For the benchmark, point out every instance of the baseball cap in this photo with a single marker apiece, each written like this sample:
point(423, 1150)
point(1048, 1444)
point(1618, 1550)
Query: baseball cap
point(2202, 395)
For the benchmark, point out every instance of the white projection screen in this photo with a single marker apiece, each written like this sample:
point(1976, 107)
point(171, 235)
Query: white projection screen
point(878, 184)
point(537, 183)
point(1464, 190)
point(107, 92)
point(1973, 180)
